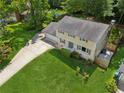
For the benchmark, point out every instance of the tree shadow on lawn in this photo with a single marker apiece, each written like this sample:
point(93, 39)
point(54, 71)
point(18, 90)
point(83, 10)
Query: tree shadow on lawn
point(73, 63)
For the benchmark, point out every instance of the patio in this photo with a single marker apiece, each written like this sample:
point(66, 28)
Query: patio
point(104, 58)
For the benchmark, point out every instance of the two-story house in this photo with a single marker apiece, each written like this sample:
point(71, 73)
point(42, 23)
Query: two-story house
point(86, 37)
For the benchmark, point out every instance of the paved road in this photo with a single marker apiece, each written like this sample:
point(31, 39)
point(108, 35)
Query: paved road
point(23, 57)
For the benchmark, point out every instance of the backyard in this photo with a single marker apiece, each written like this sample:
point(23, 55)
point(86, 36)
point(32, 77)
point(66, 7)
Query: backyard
point(53, 72)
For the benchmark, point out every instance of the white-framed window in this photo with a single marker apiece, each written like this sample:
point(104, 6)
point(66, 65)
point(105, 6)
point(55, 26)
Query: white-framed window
point(70, 45)
point(82, 39)
point(79, 47)
point(71, 36)
point(88, 51)
point(83, 49)
point(62, 41)
point(61, 32)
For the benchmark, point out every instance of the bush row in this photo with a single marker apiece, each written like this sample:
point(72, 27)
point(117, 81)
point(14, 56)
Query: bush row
point(73, 54)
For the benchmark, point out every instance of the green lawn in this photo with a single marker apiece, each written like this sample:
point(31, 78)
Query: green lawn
point(18, 35)
point(54, 73)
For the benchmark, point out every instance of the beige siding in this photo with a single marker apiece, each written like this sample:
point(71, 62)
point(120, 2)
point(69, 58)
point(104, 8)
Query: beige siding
point(76, 41)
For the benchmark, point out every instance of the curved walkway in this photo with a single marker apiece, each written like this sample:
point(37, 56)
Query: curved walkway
point(23, 57)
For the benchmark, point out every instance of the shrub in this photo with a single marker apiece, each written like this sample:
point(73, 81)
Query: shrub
point(65, 52)
point(114, 35)
point(4, 51)
point(77, 70)
point(111, 86)
point(85, 76)
point(76, 55)
point(28, 27)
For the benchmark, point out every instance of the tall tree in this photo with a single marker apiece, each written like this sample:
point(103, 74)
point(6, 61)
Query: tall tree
point(121, 9)
point(4, 9)
point(97, 8)
point(38, 11)
point(55, 3)
point(18, 6)
point(75, 6)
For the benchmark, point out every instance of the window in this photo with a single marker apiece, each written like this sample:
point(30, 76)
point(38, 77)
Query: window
point(71, 35)
point(89, 51)
point(82, 39)
point(84, 49)
point(79, 47)
point(61, 32)
point(62, 41)
point(70, 45)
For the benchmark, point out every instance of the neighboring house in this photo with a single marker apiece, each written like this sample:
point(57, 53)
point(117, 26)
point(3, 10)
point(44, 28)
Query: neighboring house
point(86, 37)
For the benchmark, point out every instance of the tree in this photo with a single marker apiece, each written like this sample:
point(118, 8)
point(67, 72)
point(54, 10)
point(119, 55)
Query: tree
point(2, 29)
point(38, 11)
point(111, 86)
point(74, 6)
point(3, 14)
point(18, 6)
point(4, 9)
point(55, 3)
point(121, 9)
point(97, 8)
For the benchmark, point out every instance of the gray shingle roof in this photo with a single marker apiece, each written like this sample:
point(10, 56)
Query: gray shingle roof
point(74, 26)
point(84, 29)
point(51, 28)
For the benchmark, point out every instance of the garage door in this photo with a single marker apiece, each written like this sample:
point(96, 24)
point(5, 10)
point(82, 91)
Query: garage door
point(51, 37)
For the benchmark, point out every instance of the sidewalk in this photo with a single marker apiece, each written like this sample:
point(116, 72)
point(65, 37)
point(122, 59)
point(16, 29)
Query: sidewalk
point(23, 57)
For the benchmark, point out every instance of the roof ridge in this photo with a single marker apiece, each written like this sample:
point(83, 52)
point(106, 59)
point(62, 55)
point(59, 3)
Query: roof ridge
point(83, 28)
point(84, 20)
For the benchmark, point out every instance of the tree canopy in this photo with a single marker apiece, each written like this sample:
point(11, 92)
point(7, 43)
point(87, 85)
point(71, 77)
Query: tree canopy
point(97, 8)
point(4, 9)
point(38, 10)
point(121, 9)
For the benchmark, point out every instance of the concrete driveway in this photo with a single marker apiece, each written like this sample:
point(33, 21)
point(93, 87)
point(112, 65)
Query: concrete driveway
point(23, 57)
point(119, 91)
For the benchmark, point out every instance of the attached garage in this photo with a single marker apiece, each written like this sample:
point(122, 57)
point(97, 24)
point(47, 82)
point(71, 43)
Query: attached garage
point(51, 37)
point(50, 32)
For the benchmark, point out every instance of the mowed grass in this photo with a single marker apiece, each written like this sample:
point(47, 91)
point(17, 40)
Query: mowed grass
point(52, 72)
